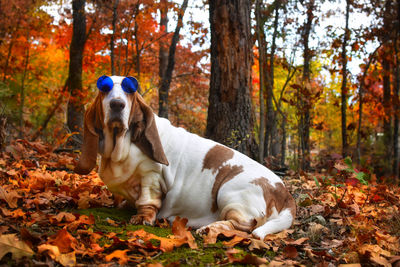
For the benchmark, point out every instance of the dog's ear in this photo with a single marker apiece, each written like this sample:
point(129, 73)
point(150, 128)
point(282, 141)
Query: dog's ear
point(93, 122)
point(144, 131)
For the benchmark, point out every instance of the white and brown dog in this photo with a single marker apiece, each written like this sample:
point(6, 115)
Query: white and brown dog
point(166, 171)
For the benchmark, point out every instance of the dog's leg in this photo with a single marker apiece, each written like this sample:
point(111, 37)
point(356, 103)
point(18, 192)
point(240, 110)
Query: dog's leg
point(232, 219)
point(149, 201)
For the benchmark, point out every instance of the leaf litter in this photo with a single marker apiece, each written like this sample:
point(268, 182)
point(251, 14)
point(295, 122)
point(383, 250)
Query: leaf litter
point(344, 216)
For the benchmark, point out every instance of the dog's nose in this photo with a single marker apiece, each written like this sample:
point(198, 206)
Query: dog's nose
point(117, 105)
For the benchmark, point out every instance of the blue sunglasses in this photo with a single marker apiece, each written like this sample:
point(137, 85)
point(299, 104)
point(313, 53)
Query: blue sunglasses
point(106, 84)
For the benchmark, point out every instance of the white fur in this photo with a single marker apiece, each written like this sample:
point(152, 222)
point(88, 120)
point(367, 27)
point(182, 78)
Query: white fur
point(183, 184)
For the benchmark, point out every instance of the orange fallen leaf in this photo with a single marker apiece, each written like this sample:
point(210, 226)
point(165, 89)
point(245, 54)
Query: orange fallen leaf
point(213, 233)
point(66, 259)
point(247, 259)
point(120, 255)
point(180, 231)
point(234, 241)
point(66, 216)
point(64, 241)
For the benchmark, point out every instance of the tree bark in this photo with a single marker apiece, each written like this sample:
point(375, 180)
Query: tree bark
point(262, 63)
point(344, 82)
point(271, 141)
point(304, 103)
point(230, 118)
point(74, 82)
point(22, 89)
point(163, 51)
point(166, 79)
point(396, 159)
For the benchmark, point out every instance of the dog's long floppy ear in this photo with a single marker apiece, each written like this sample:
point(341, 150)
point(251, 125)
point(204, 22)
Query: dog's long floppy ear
point(89, 149)
point(144, 131)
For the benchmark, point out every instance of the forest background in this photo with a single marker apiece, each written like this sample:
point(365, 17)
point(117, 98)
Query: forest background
point(313, 105)
point(309, 88)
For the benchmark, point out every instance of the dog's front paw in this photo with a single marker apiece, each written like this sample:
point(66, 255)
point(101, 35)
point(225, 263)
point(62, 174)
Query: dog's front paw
point(146, 215)
point(142, 219)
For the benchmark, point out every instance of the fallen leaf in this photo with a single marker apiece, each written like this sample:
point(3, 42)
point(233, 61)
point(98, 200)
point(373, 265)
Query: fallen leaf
point(247, 259)
point(66, 216)
point(66, 259)
point(180, 231)
point(234, 241)
point(11, 244)
point(64, 241)
point(10, 197)
point(120, 255)
point(290, 252)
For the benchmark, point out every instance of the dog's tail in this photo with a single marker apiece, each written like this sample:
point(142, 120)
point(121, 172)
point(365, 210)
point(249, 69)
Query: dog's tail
point(282, 221)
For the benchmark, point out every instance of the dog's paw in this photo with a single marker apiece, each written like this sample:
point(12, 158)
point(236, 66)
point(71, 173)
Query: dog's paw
point(203, 230)
point(143, 219)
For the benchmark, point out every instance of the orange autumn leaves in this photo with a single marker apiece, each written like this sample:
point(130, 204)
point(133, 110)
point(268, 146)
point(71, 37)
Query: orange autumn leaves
point(340, 220)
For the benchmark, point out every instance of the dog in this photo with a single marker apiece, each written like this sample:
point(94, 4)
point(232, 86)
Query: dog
point(165, 171)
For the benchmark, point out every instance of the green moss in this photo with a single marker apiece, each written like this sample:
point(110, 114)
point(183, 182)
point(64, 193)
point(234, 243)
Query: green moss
point(186, 256)
point(121, 218)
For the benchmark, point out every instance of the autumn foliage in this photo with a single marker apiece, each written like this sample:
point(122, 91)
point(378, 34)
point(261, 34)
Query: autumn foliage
point(348, 199)
point(48, 214)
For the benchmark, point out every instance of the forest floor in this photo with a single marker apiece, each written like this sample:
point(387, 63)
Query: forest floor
point(50, 216)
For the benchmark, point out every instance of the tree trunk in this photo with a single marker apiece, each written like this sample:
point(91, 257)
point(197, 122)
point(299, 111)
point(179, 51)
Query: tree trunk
point(344, 82)
point(112, 40)
point(387, 107)
point(74, 81)
point(271, 129)
point(396, 159)
point(22, 89)
point(163, 51)
point(166, 79)
point(361, 103)
point(304, 103)
point(230, 118)
point(262, 63)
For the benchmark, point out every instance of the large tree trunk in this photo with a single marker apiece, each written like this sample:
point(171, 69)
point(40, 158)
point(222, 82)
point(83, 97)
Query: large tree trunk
point(230, 118)
point(344, 82)
point(74, 81)
point(22, 89)
point(166, 79)
point(304, 104)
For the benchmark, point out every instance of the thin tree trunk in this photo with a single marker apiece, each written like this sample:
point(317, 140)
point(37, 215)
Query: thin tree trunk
point(230, 117)
point(270, 131)
point(163, 51)
point(361, 102)
point(166, 79)
point(344, 82)
point(22, 89)
point(304, 104)
point(112, 40)
point(74, 82)
point(396, 159)
point(262, 62)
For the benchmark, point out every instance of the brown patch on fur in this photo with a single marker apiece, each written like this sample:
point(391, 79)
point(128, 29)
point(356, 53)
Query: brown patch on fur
point(225, 174)
point(93, 124)
point(278, 196)
point(216, 157)
point(144, 131)
point(214, 161)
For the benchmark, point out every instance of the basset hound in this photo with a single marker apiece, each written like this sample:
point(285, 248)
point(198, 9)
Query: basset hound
point(166, 171)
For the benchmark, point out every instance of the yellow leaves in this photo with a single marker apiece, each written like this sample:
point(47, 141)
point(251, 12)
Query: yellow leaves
point(11, 244)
